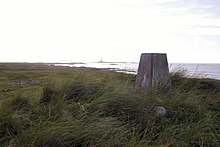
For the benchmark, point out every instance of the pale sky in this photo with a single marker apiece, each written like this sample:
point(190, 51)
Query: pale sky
point(116, 30)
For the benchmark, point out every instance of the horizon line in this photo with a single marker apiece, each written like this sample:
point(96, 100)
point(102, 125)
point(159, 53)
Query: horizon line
point(103, 62)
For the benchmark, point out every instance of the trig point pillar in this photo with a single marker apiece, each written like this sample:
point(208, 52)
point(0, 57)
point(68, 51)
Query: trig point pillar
point(153, 72)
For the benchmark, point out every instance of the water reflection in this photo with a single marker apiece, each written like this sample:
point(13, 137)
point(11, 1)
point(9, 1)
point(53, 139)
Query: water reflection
point(194, 70)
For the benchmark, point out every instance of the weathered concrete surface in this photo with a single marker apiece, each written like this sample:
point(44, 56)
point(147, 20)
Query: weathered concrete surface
point(153, 72)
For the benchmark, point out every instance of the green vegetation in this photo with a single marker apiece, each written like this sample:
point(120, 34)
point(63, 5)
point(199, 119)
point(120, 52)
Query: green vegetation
point(47, 106)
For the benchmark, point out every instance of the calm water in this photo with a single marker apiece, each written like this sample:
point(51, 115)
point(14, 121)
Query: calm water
point(193, 70)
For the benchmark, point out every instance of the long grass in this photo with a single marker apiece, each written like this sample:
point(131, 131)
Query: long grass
point(88, 107)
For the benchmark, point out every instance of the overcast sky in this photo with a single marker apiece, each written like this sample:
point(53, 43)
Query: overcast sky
point(116, 30)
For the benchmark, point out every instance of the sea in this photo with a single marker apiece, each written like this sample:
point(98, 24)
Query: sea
point(189, 69)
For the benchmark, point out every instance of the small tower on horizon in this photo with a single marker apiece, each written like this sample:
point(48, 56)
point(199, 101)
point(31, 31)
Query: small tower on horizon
point(101, 60)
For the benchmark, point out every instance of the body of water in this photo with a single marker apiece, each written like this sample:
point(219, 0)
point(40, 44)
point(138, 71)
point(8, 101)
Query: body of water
point(193, 70)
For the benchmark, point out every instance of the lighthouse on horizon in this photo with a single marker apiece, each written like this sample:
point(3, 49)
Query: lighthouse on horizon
point(101, 60)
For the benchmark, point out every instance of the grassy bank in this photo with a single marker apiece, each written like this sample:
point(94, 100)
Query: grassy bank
point(62, 106)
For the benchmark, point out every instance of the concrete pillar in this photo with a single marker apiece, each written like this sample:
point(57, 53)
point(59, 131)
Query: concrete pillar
point(153, 72)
